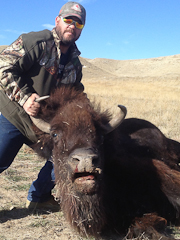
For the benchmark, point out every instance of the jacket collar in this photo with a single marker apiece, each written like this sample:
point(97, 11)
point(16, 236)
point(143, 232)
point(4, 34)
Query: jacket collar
point(74, 51)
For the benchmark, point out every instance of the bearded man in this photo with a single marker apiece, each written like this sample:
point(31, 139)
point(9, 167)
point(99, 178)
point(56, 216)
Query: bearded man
point(33, 66)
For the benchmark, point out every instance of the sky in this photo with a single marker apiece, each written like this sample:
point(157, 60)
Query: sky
point(116, 29)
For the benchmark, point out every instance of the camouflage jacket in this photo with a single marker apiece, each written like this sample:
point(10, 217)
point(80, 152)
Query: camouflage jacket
point(29, 65)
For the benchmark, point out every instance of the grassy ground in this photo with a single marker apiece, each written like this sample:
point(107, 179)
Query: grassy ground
point(155, 100)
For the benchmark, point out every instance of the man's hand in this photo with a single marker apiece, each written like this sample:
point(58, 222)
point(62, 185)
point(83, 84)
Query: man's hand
point(32, 107)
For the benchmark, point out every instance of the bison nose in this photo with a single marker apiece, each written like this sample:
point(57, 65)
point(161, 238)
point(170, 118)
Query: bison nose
point(85, 163)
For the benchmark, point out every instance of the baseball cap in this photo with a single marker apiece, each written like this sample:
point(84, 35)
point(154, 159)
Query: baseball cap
point(73, 9)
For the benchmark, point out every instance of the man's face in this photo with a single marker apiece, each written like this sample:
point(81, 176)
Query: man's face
point(68, 34)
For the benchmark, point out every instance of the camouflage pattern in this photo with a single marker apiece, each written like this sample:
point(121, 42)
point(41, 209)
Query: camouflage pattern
point(8, 58)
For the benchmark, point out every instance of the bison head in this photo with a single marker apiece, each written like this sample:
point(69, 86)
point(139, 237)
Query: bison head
point(73, 135)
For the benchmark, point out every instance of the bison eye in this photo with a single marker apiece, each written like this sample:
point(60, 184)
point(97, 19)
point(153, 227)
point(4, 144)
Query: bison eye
point(54, 135)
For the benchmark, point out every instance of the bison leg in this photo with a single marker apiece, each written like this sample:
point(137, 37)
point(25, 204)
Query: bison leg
point(150, 225)
point(170, 185)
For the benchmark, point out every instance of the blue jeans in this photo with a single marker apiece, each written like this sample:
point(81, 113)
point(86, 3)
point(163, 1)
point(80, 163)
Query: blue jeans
point(11, 140)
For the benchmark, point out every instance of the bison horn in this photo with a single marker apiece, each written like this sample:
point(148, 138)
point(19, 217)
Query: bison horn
point(117, 120)
point(41, 124)
point(109, 127)
point(41, 98)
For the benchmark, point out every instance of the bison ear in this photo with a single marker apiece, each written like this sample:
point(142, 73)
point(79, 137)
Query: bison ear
point(116, 121)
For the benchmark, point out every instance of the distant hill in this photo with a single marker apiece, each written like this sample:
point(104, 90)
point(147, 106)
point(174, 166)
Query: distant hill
point(161, 67)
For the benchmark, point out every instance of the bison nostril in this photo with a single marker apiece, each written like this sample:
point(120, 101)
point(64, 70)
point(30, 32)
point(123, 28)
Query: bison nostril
point(94, 160)
point(75, 160)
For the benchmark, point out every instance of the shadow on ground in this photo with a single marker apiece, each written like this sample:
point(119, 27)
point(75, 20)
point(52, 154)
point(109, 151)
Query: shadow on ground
point(18, 213)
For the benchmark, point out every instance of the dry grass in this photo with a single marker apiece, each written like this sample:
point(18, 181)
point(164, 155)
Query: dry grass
point(156, 100)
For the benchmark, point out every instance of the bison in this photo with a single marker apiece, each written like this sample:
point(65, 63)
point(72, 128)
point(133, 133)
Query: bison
point(113, 176)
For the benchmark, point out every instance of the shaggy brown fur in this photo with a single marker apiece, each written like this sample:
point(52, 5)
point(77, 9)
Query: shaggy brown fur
point(126, 181)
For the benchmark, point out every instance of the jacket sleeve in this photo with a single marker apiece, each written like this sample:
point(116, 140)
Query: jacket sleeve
point(15, 60)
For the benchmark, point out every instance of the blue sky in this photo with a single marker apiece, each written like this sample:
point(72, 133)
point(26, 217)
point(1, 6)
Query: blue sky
point(116, 29)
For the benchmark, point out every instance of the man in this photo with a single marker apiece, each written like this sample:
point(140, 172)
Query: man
point(32, 66)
